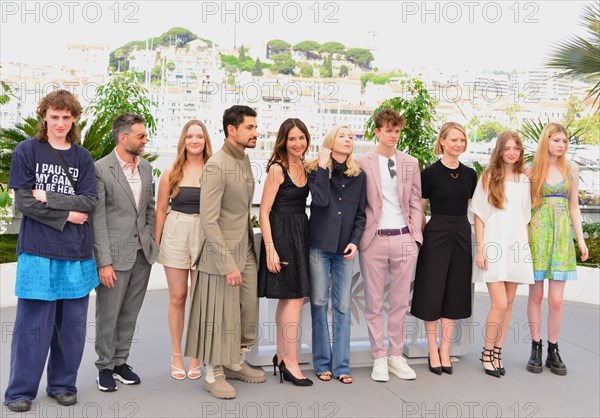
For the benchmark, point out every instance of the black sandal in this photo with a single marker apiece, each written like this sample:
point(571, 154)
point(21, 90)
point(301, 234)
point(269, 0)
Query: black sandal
point(325, 376)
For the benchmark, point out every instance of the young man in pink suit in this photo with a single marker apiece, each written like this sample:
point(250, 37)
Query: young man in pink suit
point(390, 242)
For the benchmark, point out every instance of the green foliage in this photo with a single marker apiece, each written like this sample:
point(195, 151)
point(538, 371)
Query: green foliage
point(242, 53)
point(360, 56)
point(277, 46)
point(306, 70)
point(8, 248)
point(119, 58)
point(122, 94)
point(5, 93)
point(377, 78)
point(230, 61)
point(257, 69)
point(593, 243)
point(332, 48)
point(326, 69)
point(574, 107)
point(580, 57)
point(283, 64)
point(589, 126)
point(489, 130)
point(343, 71)
point(418, 136)
point(309, 48)
point(478, 168)
point(9, 138)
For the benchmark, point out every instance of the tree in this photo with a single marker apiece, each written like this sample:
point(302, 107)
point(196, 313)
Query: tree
point(326, 69)
point(332, 48)
point(589, 126)
point(343, 71)
point(306, 70)
point(277, 46)
point(283, 64)
point(489, 130)
point(418, 137)
point(580, 57)
point(122, 94)
point(257, 70)
point(360, 56)
point(309, 48)
point(242, 54)
point(574, 107)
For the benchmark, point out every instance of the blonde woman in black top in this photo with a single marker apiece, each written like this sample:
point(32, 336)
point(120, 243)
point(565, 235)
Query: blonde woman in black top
point(442, 288)
point(177, 231)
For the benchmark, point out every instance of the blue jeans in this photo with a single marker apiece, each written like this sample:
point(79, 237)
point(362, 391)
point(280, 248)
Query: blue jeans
point(330, 354)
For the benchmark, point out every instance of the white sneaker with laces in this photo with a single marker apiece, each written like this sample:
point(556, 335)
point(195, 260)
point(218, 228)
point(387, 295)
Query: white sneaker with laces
point(380, 370)
point(398, 366)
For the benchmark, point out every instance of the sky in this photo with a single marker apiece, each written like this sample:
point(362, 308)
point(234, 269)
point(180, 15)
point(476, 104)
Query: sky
point(451, 35)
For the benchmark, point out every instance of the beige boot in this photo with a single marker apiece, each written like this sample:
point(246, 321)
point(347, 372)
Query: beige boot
point(216, 384)
point(243, 372)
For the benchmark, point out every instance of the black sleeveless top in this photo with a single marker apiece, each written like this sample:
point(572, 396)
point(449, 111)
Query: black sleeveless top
point(187, 201)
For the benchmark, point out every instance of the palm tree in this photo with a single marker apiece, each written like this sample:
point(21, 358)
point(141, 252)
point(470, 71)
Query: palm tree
point(580, 57)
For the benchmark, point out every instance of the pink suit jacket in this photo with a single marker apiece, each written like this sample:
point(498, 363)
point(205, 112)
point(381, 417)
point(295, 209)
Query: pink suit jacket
point(408, 178)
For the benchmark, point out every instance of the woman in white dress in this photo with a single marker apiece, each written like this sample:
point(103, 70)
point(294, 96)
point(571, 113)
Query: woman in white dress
point(501, 211)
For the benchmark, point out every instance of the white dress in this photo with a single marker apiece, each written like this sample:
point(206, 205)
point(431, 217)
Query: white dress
point(506, 243)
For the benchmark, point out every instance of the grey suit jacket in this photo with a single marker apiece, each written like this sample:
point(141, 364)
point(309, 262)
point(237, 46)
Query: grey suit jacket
point(117, 223)
point(225, 202)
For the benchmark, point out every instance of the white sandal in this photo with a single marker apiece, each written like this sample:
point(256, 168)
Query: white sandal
point(176, 372)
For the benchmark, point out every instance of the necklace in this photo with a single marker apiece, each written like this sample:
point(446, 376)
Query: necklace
point(453, 175)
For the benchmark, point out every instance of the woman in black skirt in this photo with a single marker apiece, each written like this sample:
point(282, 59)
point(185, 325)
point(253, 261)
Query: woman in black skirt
point(442, 288)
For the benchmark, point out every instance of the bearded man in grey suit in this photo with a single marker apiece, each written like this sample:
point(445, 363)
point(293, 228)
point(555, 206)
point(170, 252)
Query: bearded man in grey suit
point(124, 248)
point(224, 300)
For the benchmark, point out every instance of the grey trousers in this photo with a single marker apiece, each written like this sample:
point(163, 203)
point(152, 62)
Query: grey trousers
point(117, 310)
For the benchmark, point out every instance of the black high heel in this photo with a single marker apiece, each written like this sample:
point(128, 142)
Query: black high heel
point(284, 373)
point(490, 355)
point(274, 364)
point(497, 356)
point(445, 369)
point(436, 370)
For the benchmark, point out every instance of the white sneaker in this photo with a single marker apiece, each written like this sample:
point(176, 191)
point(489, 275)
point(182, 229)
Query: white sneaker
point(399, 366)
point(380, 370)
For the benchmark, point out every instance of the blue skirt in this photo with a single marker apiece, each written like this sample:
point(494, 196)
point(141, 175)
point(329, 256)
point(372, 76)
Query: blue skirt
point(50, 279)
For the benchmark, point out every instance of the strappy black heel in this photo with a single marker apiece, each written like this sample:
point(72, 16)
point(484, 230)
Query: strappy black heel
point(490, 359)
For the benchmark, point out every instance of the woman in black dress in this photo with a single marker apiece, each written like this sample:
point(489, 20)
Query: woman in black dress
point(442, 288)
point(283, 269)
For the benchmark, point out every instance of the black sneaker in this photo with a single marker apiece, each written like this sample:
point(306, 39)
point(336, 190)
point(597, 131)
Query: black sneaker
point(106, 381)
point(126, 375)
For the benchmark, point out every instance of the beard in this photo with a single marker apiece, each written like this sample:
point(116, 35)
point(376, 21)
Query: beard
point(135, 150)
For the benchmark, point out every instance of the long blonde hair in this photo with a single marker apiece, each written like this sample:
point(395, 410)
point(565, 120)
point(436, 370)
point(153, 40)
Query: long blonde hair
point(493, 176)
point(540, 162)
point(353, 168)
point(176, 174)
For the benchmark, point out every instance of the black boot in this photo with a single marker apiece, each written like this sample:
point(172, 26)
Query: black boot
point(534, 365)
point(554, 361)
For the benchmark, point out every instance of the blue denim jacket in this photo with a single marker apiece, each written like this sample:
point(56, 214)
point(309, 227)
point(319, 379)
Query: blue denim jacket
point(337, 210)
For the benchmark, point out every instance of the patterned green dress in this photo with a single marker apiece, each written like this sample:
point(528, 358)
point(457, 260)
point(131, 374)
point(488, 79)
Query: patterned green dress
point(550, 235)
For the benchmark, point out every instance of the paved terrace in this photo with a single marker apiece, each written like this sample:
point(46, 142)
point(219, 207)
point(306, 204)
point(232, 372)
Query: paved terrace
point(467, 393)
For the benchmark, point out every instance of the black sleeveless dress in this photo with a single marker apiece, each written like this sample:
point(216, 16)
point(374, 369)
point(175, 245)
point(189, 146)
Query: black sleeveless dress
point(289, 229)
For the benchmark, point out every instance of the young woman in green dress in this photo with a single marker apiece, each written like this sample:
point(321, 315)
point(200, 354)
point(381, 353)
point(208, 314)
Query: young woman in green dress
point(555, 206)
